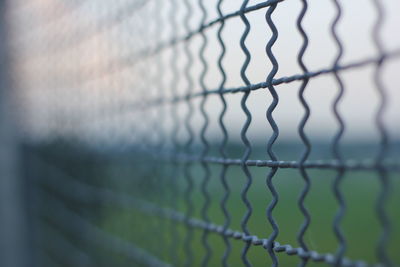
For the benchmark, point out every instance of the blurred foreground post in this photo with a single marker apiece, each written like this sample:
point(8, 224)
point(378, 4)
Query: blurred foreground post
point(14, 234)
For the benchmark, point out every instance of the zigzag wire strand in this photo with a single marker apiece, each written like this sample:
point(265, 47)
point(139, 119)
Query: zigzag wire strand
point(188, 146)
point(303, 136)
point(335, 144)
point(224, 141)
point(274, 126)
point(144, 136)
point(159, 120)
point(206, 146)
point(175, 238)
point(384, 194)
point(243, 135)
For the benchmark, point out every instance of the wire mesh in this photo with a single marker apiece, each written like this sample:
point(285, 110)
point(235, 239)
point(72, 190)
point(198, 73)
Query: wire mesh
point(141, 123)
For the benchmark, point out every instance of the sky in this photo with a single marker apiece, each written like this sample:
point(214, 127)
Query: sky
point(47, 96)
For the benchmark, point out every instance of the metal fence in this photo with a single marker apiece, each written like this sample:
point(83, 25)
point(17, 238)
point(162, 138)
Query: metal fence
point(147, 143)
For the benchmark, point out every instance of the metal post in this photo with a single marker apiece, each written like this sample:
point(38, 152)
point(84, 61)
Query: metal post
point(14, 234)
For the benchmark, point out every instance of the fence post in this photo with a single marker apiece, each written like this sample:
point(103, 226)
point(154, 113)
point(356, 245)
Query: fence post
point(14, 234)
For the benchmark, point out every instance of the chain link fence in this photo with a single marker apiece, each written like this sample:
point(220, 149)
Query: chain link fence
point(207, 133)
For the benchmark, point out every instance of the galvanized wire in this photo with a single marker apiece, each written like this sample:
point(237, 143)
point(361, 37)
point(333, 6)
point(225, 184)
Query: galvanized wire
point(164, 58)
point(384, 141)
point(176, 126)
point(243, 135)
point(336, 143)
point(274, 137)
point(224, 141)
point(187, 168)
point(303, 136)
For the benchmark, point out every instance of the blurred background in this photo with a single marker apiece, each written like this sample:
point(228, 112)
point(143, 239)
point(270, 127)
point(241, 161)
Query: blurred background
point(135, 133)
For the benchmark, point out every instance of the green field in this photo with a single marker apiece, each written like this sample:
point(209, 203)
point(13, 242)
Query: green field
point(360, 224)
point(143, 180)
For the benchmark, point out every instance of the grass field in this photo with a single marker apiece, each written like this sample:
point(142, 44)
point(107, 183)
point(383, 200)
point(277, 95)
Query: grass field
point(153, 183)
point(360, 225)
